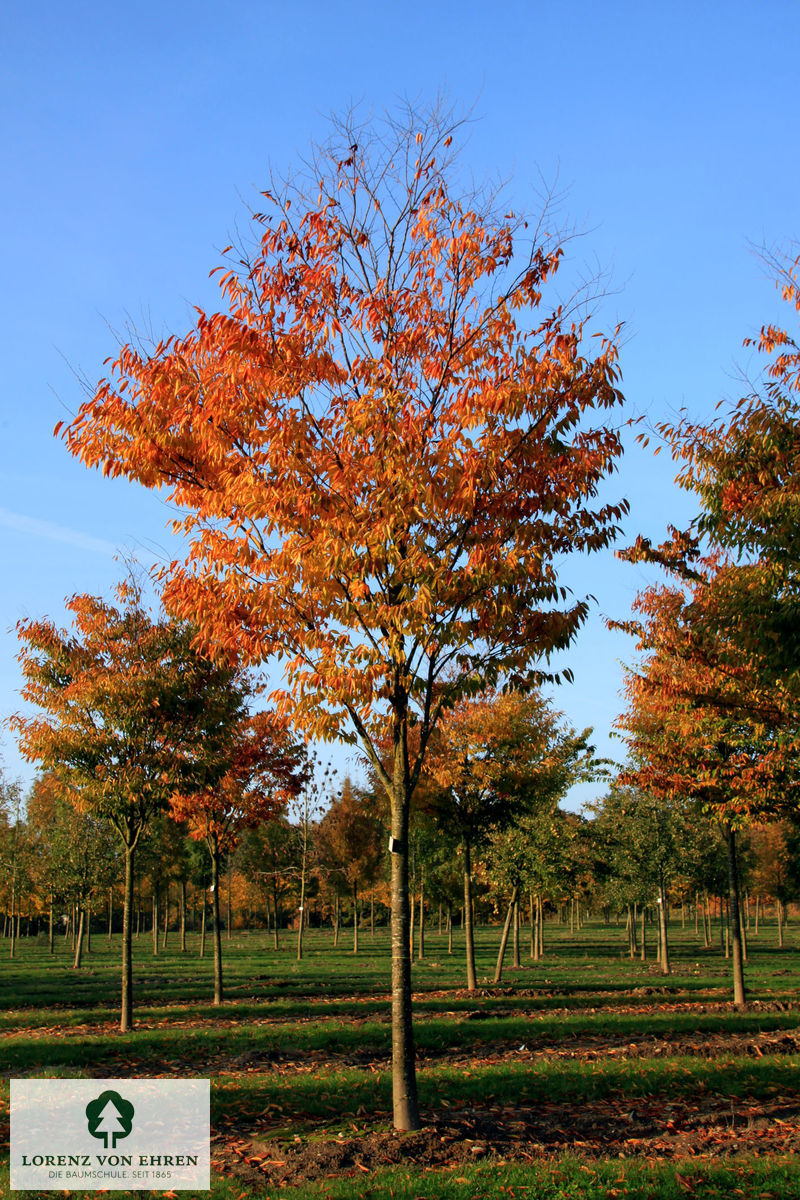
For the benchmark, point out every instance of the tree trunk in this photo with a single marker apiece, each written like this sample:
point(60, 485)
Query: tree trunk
point(204, 905)
point(335, 919)
point(166, 920)
point(739, 997)
point(421, 934)
point(216, 925)
point(50, 926)
point(372, 913)
point(662, 931)
point(498, 971)
point(472, 982)
point(411, 925)
point(355, 918)
point(515, 928)
point(183, 916)
point(126, 1014)
point(230, 909)
point(76, 962)
point(404, 1080)
point(758, 906)
point(534, 933)
point(780, 924)
point(643, 947)
point(110, 912)
point(449, 929)
point(302, 912)
point(88, 928)
point(275, 914)
point(155, 922)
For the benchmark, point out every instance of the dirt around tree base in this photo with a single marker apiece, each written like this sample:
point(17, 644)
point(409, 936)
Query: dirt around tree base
point(602, 1128)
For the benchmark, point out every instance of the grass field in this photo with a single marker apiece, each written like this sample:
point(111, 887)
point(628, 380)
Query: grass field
point(585, 1075)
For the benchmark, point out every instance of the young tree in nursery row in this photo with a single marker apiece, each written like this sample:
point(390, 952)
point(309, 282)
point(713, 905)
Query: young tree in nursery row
point(263, 767)
point(384, 443)
point(499, 760)
point(128, 713)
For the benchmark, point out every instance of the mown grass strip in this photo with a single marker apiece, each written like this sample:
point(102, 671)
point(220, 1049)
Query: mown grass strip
point(156, 1050)
point(266, 1101)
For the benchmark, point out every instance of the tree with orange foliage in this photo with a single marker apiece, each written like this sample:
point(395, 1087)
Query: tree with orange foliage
point(384, 444)
point(129, 713)
point(257, 770)
point(700, 724)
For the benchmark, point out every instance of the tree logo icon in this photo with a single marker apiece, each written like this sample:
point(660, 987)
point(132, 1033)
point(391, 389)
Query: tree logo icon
point(109, 1116)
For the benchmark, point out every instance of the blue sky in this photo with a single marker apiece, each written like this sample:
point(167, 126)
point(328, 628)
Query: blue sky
point(134, 136)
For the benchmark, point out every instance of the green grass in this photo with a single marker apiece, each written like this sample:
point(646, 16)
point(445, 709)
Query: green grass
point(303, 1048)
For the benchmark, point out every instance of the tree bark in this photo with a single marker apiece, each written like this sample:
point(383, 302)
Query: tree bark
point(780, 924)
point(421, 934)
point(355, 918)
point(662, 931)
point(126, 1014)
point(110, 912)
point(449, 929)
point(643, 947)
point(204, 906)
point(498, 971)
point(76, 962)
point(216, 929)
point(472, 981)
point(183, 916)
point(50, 945)
point(404, 1080)
point(739, 996)
point(155, 922)
point(516, 930)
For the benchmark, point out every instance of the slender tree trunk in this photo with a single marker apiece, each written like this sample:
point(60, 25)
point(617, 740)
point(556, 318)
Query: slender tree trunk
point(335, 919)
point(88, 928)
point(441, 914)
point(697, 916)
point(411, 922)
point(516, 931)
point(643, 948)
point(230, 909)
point(534, 932)
point(739, 996)
point(421, 935)
point(449, 929)
point(662, 931)
point(540, 925)
point(50, 945)
point(126, 1014)
point(372, 913)
point(302, 914)
point(110, 912)
point(203, 907)
point(355, 918)
point(758, 906)
point(76, 962)
point(498, 971)
point(216, 928)
point(155, 921)
point(472, 981)
point(275, 933)
point(165, 928)
point(780, 924)
point(706, 921)
point(404, 1080)
point(183, 916)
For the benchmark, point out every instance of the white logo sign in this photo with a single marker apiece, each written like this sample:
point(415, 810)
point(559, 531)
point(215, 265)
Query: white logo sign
point(117, 1134)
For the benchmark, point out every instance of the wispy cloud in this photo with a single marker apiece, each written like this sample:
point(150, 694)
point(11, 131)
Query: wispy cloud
point(33, 527)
